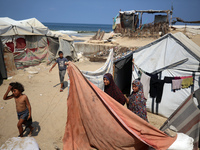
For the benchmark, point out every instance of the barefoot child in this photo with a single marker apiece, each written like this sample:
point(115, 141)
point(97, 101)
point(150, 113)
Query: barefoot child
point(62, 65)
point(23, 106)
point(137, 101)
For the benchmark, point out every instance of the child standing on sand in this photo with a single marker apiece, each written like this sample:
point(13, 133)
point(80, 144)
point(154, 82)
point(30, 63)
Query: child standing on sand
point(137, 101)
point(23, 106)
point(62, 65)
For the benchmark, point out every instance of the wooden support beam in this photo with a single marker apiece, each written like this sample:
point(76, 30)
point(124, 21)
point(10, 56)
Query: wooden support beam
point(141, 18)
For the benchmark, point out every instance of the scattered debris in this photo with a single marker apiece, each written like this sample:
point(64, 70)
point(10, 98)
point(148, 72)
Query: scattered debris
point(9, 78)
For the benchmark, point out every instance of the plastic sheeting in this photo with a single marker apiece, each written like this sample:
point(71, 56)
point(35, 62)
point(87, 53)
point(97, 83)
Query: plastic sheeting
point(163, 52)
point(96, 120)
point(53, 45)
point(65, 47)
point(3, 72)
point(36, 41)
point(96, 77)
point(123, 73)
point(186, 119)
point(31, 26)
point(31, 58)
point(18, 143)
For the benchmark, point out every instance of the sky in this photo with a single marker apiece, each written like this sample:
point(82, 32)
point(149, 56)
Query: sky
point(93, 11)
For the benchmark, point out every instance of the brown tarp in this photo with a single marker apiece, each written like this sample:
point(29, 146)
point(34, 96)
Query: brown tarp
point(95, 120)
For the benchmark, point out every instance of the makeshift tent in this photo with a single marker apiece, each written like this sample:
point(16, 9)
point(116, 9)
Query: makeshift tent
point(97, 120)
point(31, 42)
point(170, 56)
point(96, 77)
point(186, 119)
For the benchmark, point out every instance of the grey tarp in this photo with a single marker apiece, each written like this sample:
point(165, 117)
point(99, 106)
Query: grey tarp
point(53, 45)
point(123, 73)
point(185, 119)
point(36, 41)
point(3, 73)
point(65, 47)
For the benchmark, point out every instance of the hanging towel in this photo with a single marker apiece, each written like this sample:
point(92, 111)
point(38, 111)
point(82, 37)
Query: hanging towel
point(176, 84)
point(187, 82)
point(145, 80)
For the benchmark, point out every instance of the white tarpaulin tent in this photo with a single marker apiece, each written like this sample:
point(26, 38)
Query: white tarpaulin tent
point(31, 26)
point(173, 55)
point(167, 50)
point(96, 77)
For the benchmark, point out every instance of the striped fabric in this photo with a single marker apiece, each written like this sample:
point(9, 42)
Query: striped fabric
point(185, 119)
point(31, 58)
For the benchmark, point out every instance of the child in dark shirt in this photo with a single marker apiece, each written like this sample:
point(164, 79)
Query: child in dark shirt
point(62, 66)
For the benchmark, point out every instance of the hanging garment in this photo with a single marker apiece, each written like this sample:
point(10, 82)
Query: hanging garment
point(153, 87)
point(168, 79)
point(156, 89)
point(145, 80)
point(187, 82)
point(176, 84)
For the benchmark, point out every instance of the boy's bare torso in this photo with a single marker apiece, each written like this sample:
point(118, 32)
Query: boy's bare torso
point(21, 103)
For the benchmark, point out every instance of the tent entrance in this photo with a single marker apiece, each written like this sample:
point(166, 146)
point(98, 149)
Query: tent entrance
point(123, 74)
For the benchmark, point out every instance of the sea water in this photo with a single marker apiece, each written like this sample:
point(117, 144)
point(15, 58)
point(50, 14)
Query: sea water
point(78, 29)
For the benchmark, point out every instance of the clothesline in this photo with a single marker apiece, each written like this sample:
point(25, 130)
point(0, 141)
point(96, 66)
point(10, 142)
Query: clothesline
point(145, 72)
point(154, 86)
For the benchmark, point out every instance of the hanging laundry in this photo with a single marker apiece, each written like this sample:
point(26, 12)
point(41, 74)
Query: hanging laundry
point(145, 80)
point(160, 85)
point(156, 87)
point(153, 87)
point(168, 79)
point(176, 84)
point(187, 82)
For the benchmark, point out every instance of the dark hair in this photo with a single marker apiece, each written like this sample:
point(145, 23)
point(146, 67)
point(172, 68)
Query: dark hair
point(60, 52)
point(17, 85)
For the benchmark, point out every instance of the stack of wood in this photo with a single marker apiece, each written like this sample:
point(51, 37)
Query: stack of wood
point(98, 36)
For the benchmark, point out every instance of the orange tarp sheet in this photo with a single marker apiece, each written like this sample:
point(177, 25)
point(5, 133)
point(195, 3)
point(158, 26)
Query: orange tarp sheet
point(95, 120)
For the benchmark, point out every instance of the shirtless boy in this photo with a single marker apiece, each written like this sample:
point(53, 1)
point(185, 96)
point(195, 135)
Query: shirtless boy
point(23, 106)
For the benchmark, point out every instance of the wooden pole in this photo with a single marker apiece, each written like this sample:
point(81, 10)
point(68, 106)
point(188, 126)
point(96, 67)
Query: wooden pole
point(133, 27)
point(141, 18)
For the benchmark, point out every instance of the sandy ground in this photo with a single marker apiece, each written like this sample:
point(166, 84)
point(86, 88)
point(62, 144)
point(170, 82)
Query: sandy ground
point(49, 106)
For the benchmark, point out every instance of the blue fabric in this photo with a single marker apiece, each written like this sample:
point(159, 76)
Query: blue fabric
point(61, 63)
point(23, 115)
